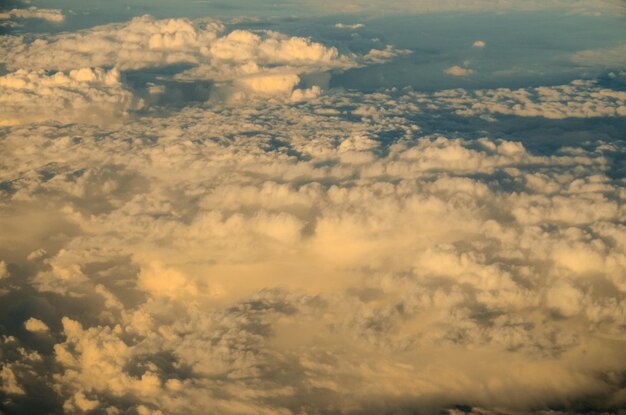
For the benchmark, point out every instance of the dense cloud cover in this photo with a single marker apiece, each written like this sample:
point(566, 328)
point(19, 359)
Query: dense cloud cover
point(283, 248)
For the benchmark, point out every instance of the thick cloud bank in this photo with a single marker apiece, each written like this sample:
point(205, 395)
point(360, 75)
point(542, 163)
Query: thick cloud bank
point(319, 257)
point(272, 247)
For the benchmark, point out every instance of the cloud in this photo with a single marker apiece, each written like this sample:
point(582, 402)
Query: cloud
point(192, 50)
point(327, 255)
point(479, 44)
point(286, 251)
point(353, 26)
point(35, 325)
point(49, 15)
point(79, 95)
point(603, 58)
point(580, 99)
point(384, 55)
point(459, 71)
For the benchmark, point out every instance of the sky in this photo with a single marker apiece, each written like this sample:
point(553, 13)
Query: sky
point(313, 207)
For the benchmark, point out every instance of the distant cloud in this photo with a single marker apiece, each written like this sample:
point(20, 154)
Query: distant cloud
point(349, 26)
point(479, 44)
point(36, 326)
point(459, 71)
point(236, 58)
point(580, 99)
point(603, 57)
point(50, 15)
point(384, 55)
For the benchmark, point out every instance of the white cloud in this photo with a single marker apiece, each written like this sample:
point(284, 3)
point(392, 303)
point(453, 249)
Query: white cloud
point(79, 95)
point(384, 55)
point(35, 325)
point(580, 99)
point(242, 65)
point(217, 247)
point(50, 15)
point(353, 26)
point(479, 44)
point(297, 252)
point(459, 71)
point(237, 58)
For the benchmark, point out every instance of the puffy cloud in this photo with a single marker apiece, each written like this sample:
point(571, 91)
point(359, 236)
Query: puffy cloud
point(302, 252)
point(459, 71)
point(580, 99)
point(249, 58)
point(384, 55)
point(35, 325)
point(50, 15)
point(142, 42)
point(79, 95)
point(271, 257)
point(239, 63)
point(479, 44)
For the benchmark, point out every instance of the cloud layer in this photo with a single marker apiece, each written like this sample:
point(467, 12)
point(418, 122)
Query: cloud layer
point(280, 249)
point(290, 258)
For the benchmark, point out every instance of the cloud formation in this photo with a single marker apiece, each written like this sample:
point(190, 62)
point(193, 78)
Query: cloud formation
point(459, 71)
point(580, 99)
point(80, 95)
point(325, 256)
point(49, 15)
point(274, 249)
point(479, 44)
point(192, 51)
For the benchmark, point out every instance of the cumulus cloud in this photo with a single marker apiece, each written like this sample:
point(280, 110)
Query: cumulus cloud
point(240, 64)
point(35, 325)
point(580, 99)
point(479, 44)
point(325, 256)
point(79, 95)
point(298, 252)
point(49, 15)
point(459, 71)
point(239, 57)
